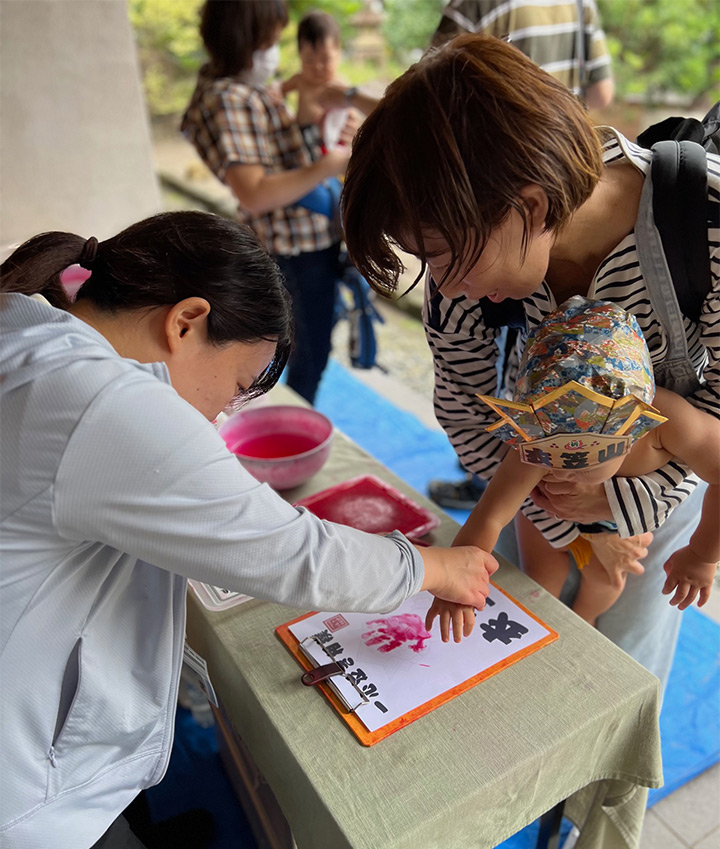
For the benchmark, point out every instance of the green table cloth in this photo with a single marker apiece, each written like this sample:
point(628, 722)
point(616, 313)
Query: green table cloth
point(576, 720)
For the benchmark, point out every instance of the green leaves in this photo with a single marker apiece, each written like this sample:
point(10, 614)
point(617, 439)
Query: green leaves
point(664, 47)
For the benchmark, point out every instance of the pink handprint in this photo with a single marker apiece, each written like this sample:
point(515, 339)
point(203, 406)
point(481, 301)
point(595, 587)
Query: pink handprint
point(402, 629)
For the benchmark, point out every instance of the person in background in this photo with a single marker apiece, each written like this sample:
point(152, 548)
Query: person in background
point(550, 34)
point(245, 134)
point(532, 217)
point(318, 41)
point(115, 488)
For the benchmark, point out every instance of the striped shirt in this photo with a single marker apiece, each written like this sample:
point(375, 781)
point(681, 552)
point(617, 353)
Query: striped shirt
point(465, 355)
point(544, 30)
point(232, 123)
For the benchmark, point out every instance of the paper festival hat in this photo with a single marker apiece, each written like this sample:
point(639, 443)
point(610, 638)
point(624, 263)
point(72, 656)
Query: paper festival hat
point(583, 390)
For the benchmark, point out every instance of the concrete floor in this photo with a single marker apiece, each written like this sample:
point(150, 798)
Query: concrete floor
point(687, 819)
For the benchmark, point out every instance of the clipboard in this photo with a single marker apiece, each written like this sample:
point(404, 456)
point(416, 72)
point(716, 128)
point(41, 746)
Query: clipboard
point(329, 666)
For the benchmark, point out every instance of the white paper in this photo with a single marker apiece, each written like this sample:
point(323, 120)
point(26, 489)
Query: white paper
point(399, 666)
point(332, 127)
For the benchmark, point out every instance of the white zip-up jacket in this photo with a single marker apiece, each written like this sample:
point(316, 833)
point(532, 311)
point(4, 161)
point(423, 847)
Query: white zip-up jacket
point(113, 491)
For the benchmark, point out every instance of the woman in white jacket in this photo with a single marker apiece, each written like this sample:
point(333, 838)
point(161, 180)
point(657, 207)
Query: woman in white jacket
point(116, 489)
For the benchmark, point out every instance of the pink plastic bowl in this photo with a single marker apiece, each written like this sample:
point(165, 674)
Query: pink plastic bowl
point(280, 445)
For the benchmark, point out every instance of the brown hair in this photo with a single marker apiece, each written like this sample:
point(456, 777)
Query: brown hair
point(232, 30)
point(450, 146)
point(316, 27)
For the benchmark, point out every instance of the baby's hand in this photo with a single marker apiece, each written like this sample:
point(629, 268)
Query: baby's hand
point(688, 575)
point(461, 616)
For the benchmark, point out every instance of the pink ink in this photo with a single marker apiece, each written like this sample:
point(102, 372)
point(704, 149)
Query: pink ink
point(424, 664)
point(405, 629)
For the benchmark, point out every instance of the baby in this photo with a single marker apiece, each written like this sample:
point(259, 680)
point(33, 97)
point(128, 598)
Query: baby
point(582, 413)
point(318, 38)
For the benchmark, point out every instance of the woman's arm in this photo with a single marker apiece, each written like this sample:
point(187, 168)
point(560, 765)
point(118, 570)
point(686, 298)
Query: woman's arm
point(336, 95)
point(165, 489)
point(259, 192)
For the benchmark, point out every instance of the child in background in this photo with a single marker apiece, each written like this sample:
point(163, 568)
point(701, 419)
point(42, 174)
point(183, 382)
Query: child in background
point(582, 401)
point(318, 40)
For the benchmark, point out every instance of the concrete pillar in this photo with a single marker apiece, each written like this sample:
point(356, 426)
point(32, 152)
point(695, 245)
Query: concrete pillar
point(75, 150)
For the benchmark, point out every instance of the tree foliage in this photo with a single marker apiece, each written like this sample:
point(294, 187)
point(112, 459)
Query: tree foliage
point(659, 47)
point(664, 47)
point(409, 25)
point(171, 51)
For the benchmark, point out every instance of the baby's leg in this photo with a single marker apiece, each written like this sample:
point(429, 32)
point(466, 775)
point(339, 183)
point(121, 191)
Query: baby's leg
point(597, 592)
point(538, 559)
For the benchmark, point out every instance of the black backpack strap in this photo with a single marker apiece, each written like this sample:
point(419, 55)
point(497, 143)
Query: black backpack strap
point(507, 313)
point(679, 178)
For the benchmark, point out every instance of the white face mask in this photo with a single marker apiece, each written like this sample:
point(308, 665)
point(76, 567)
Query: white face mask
point(265, 63)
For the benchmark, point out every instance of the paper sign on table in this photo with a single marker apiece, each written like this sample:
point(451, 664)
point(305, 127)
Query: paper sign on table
point(399, 670)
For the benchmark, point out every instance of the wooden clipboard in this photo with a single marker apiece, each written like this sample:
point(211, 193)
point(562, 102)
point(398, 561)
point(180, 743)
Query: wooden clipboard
point(369, 738)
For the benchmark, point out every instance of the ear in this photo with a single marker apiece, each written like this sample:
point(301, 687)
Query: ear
point(186, 321)
point(536, 202)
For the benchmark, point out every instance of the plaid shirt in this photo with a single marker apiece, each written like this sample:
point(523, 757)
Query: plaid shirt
point(229, 123)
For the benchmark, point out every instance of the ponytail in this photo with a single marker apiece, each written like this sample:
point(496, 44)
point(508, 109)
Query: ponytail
point(35, 267)
point(161, 261)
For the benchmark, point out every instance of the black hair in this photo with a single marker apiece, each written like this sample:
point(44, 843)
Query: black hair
point(316, 27)
point(163, 260)
point(232, 30)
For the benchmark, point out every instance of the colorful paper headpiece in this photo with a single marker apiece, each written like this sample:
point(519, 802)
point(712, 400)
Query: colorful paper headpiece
point(583, 391)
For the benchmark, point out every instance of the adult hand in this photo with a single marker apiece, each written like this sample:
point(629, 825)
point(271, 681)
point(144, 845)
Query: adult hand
point(336, 160)
point(460, 574)
point(576, 502)
point(620, 556)
point(350, 127)
point(461, 617)
point(333, 96)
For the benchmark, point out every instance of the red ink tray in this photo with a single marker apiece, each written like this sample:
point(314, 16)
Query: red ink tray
point(369, 504)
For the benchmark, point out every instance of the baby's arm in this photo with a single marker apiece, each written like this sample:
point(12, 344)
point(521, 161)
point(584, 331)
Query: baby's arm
point(511, 484)
point(694, 436)
point(509, 487)
point(290, 84)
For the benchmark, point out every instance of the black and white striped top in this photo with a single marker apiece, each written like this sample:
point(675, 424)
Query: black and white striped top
point(465, 356)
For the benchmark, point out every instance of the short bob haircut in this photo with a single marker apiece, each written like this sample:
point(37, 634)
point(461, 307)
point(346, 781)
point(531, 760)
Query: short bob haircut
point(232, 30)
point(448, 149)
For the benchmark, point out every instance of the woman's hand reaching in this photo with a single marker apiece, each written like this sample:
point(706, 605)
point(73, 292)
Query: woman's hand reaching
point(460, 574)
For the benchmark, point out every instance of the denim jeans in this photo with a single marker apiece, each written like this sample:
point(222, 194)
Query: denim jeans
point(311, 280)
